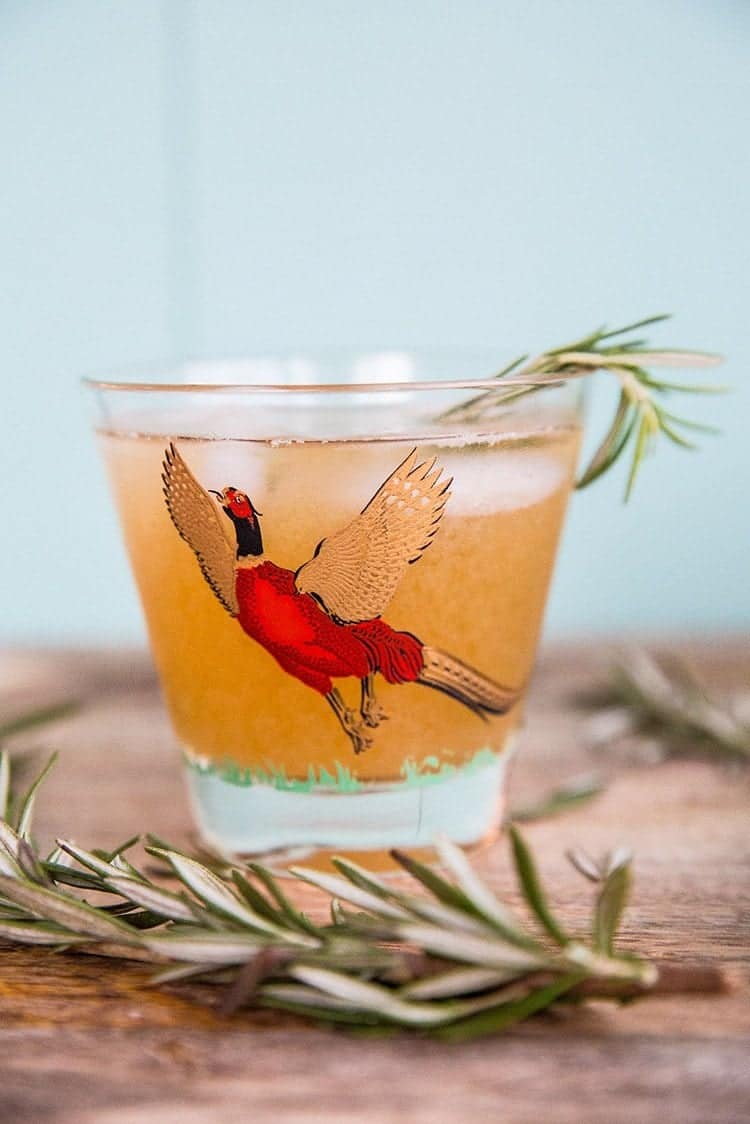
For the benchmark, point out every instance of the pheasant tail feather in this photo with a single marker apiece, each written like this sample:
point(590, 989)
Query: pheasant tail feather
point(453, 677)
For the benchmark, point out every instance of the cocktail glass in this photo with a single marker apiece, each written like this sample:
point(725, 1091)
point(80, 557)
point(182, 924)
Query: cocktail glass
point(343, 565)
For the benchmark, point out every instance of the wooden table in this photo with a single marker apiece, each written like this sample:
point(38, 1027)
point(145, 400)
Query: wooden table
point(81, 1041)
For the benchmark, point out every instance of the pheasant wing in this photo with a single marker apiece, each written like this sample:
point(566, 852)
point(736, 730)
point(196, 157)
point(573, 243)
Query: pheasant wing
point(195, 516)
point(355, 572)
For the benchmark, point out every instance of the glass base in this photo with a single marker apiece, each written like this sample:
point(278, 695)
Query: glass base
point(258, 819)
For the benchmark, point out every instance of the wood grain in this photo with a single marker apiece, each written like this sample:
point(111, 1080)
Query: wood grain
point(82, 1040)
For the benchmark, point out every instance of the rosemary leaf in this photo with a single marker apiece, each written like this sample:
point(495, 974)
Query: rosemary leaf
point(570, 795)
point(610, 906)
point(4, 783)
point(43, 716)
point(218, 897)
point(442, 890)
point(341, 888)
point(10, 840)
point(73, 914)
point(312, 1003)
point(30, 865)
point(378, 1000)
point(110, 856)
point(160, 902)
point(23, 826)
point(69, 876)
point(480, 897)
point(9, 866)
point(287, 912)
point(365, 879)
point(507, 1015)
point(38, 933)
point(258, 903)
point(205, 948)
point(468, 948)
point(532, 888)
point(87, 858)
point(456, 982)
point(180, 972)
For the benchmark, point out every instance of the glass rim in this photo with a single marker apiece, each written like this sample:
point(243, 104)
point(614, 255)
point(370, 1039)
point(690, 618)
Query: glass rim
point(143, 381)
point(493, 383)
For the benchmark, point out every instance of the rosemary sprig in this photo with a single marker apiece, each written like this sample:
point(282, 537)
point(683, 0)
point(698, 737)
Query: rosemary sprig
point(31, 719)
point(577, 791)
point(641, 415)
point(443, 955)
point(665, 700)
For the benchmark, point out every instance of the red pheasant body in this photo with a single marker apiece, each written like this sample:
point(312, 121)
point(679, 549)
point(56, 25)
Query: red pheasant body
point(309, 644)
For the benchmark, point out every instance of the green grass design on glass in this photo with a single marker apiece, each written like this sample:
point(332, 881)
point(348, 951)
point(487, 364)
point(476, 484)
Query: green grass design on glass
point(430, 771)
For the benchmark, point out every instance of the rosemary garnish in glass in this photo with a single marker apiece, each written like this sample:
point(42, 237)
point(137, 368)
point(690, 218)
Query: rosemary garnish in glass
point(641, 415)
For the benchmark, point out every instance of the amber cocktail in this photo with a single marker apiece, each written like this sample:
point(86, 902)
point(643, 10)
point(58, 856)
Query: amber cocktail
point(344, 585)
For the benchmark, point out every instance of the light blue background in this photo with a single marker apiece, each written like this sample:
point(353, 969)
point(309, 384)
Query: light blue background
point(187, 178)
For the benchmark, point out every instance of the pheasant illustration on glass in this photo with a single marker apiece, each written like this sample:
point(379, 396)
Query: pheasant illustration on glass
point(324, 622)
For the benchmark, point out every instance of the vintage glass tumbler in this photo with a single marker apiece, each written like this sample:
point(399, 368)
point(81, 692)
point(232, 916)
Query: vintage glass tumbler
point(343, 564)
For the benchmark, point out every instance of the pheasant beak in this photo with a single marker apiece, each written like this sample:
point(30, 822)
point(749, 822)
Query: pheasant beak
point(217, 494)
